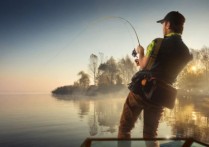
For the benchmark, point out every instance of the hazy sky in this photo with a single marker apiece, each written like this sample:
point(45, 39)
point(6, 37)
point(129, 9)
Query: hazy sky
point(45, 43)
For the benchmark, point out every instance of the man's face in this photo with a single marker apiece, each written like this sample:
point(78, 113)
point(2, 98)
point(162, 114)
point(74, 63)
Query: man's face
point(164, 31)
point(166, 27)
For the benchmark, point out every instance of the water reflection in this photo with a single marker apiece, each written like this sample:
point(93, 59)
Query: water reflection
point(108, 114)
point(189, 118)
point(93, 123)
point(84, 107)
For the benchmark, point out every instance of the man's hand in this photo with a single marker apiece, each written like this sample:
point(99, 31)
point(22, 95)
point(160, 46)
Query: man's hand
point(140, 51)
point(142, 60)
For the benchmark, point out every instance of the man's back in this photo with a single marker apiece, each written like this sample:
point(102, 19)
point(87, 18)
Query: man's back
point(173, 55)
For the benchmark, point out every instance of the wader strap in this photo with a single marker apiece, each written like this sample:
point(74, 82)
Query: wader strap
point(154, 54)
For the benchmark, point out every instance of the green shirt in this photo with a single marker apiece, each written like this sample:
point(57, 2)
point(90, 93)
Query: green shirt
point(152, 44)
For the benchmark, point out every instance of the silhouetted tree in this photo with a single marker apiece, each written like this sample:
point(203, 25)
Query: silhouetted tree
point(108, 72)
point(194, 75)
point(205, 60)
point(112, 70)
point(84, 79)
point(93, 66)
point(126, 69)
point(119, 80)
point(76, 84)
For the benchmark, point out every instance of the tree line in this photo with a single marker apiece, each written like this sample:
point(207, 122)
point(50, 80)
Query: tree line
point(111, 72)
point(114, 73)
point(195, 76)
point(109, 75)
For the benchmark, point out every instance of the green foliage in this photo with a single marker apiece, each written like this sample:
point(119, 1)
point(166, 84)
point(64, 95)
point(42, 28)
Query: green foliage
point(108, 72)
point(195, 74)
point(93, 66)
point(84, 80)
point(70, 90)
point(110, 77)
point(112, 74)
point(126, 69)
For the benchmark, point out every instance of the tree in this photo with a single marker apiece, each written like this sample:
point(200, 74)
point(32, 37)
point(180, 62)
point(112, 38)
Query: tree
point(108, 71)
point(119, 80)
point(191, 77)
point(194, 75)
point(204, 56)
point(126, 69)
point(112, 69)
point(84, 79)
point(93, 66)
point(103, 78)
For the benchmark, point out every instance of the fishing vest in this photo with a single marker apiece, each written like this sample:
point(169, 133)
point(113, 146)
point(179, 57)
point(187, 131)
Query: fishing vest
point(172, 57)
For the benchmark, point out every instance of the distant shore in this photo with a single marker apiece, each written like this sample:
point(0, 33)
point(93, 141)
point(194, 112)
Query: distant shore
point(120, 89)
point(90, 90)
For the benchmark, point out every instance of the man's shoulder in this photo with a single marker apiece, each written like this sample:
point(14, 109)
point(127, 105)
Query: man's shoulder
point(155, 41)
point(158, 39)
point(152, 45)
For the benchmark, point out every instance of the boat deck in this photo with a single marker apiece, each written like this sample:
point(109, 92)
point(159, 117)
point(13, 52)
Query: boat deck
point(140, 142)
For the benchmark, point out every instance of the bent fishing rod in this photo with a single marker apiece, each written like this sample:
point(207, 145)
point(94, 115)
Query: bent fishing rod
point(131, 27)
point(134, 53)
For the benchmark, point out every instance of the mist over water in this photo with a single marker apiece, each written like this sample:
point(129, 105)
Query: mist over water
point(45, 120)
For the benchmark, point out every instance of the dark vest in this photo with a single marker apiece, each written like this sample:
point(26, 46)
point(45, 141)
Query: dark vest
point(172, 57)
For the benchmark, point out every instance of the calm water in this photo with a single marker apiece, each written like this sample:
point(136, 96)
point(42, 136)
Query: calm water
point(44, 120)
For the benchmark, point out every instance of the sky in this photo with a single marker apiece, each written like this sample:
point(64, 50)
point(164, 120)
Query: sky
point(45, 43)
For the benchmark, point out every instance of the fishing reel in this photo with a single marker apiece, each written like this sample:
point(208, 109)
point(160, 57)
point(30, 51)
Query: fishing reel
point(134, 53)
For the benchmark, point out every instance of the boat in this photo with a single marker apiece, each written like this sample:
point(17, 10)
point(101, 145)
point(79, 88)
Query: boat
point(141, 142)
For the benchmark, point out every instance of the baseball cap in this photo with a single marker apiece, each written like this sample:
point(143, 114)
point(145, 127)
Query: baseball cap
point(174, 17)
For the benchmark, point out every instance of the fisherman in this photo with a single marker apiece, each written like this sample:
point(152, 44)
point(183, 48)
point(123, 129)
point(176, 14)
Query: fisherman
point(172, 57)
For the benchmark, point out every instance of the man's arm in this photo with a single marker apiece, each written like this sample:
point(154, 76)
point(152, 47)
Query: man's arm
point(143, 60)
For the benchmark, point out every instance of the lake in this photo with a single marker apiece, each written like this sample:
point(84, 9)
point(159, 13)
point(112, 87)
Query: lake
point(45, 120)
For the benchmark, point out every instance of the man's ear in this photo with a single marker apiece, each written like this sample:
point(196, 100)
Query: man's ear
point(167, 25)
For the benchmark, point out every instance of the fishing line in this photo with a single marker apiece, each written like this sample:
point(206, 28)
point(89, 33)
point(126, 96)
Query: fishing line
point(129, 32)
point(67, 45)
point(93, 24)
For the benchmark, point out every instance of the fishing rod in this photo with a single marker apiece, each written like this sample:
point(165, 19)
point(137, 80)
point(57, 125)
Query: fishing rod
point(134, 53)
point(130, 25)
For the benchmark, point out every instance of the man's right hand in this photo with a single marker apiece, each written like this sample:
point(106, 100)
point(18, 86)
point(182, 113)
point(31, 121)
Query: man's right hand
point(142, 60)
point(140, 50)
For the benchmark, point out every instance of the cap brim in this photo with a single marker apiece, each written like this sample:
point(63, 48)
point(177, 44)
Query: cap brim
point(160, 21)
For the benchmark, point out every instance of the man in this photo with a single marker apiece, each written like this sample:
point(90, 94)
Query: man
point(172, 57)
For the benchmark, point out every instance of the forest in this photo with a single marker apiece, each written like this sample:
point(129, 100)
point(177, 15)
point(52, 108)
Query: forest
point(113, 75)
